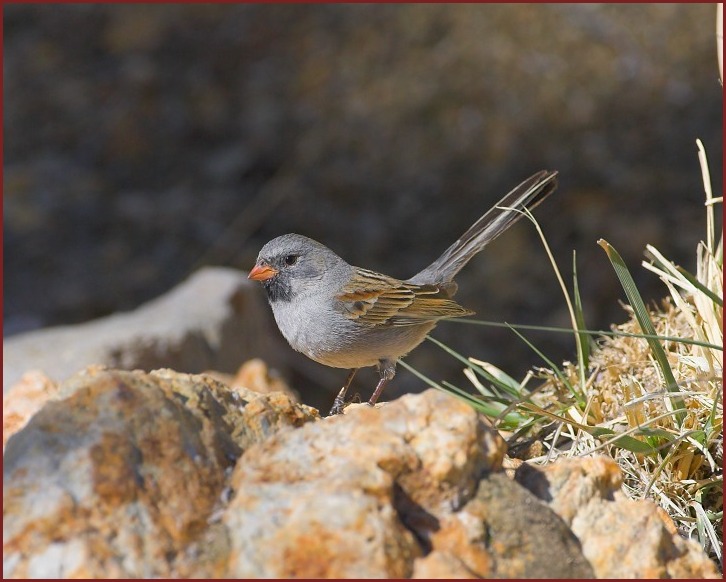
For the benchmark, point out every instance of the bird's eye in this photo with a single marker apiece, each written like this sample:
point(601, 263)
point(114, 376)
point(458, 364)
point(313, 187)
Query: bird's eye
point(290, 260)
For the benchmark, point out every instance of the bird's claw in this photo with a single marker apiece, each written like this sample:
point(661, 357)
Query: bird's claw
point(338, 403)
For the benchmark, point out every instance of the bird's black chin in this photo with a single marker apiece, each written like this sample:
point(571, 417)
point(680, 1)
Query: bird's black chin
point(278, 289)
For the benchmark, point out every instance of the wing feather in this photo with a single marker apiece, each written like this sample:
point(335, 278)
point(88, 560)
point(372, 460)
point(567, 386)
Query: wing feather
point(375, 299)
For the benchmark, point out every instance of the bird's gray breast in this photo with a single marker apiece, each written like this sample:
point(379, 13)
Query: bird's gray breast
point(315, 329)
point(306, 325)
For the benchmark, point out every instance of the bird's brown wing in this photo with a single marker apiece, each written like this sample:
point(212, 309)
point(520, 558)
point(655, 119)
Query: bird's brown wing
point(372, 299)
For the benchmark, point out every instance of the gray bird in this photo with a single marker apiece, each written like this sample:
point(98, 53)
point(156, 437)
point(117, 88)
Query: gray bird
point(348, 317)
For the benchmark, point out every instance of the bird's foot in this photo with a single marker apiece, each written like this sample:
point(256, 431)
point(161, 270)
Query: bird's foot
point(339, 402)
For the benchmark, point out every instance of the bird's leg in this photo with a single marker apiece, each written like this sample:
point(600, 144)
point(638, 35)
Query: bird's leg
point(339, 401)
point(387, 370)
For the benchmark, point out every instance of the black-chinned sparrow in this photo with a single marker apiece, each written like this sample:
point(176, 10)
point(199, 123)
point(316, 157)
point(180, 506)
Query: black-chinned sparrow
point(348, 317)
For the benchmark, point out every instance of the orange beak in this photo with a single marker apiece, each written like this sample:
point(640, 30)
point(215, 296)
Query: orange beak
point(262, 273)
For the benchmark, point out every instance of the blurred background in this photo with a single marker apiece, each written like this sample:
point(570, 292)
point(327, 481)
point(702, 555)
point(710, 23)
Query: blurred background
point(145, 141)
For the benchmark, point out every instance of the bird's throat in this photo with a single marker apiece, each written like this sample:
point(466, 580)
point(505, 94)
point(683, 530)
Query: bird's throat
point(278, 290)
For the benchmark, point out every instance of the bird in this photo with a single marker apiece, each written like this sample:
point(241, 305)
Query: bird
point(344, 316)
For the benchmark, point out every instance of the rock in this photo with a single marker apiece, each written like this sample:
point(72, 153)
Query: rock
point(23, 400)
point(369, 494)
point(568, 485)
point(500, 533)
point(26, 397)
point(161, 474)
point(326, 501)
point(620, 537)
point(214, 320)
point(120, 477)
point(256, 376)
point(439, 564)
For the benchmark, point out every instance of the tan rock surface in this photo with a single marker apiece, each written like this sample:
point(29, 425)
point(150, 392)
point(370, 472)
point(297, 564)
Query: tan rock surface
point(620, 537)
point(24, 399)
point(125, 474)
point(340, 498)
point(371, 493)
point(122, 474)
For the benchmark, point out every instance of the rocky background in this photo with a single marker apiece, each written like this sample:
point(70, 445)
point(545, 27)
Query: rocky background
point(143, 142)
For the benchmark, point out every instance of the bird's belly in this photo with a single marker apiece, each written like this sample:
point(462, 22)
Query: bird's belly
point(367, 347)
point(351, 345)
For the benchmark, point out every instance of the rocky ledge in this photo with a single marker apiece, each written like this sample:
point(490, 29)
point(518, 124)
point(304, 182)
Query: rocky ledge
point(162, 474)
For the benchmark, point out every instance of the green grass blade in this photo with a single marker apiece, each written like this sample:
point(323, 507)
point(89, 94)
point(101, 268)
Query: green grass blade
point(461, 394)
point(711, 427)
point(502, 403)
point(598, 332)
point(623, 441)
point(502, 387)
point(553, 367)
point(582, 338)
point(493, 409)
point(634, 445)
point(641, 314)
point(706, 530)
point(511, 420)
point(501, 376)
point(700, 286)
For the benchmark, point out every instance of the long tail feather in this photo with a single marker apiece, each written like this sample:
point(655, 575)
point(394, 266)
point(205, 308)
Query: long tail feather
point(493, 223)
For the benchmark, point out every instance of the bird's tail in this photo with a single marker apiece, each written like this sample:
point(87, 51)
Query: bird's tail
point(493, 223)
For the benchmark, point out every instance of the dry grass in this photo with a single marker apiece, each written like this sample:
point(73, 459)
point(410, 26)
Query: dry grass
point(674, 458)
point(683, 473)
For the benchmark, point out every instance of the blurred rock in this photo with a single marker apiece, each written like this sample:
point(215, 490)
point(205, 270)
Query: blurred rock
point(256, 376)
point(129, 474)
point(215, 320)
point(24, 399)
point(621, 538)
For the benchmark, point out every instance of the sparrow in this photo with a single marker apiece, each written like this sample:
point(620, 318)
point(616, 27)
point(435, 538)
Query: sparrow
point(348, 317)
